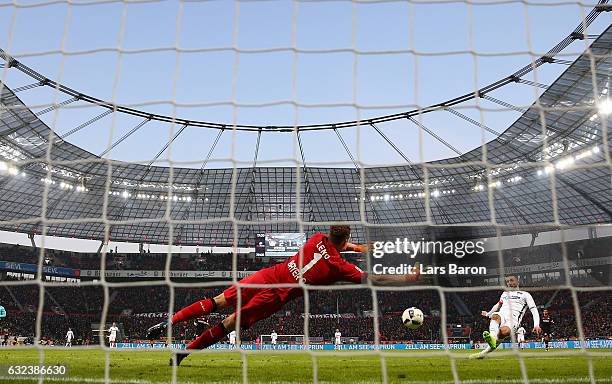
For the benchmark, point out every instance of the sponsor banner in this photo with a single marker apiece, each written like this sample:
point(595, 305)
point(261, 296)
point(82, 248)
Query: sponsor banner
point(582, 344)
point(363, 347)
point(329, 315)
point(570, 344)
point(141, 274)
point(33, 268)
point(230, 346)
point(179, 346)
point(152, 314)
point(165, 315)
point(588, 344)
point(136, 274)
point(150, 345)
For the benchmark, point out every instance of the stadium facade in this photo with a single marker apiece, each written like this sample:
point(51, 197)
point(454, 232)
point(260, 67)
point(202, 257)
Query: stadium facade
point(548, 170)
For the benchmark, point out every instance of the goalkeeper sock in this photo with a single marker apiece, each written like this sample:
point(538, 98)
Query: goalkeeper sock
point(209, 337)
point(494, 329)
point(197, 309)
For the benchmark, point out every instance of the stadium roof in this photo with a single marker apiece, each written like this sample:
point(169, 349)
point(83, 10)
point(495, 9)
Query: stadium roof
point(533, 178)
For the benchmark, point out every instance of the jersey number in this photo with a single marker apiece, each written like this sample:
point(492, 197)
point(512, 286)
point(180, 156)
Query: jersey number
point(315, 258)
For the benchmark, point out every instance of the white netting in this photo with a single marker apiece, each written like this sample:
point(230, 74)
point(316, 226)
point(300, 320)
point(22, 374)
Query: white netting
point(363, 163)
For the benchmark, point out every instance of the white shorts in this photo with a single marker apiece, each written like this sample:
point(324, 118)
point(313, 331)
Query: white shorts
point(111, 339)
point(506, 321)
point(520, 338)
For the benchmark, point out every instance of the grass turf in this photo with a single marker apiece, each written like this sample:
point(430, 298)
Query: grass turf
point(87, 365)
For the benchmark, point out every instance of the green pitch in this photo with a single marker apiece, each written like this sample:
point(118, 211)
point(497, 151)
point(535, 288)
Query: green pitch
point(142, 367)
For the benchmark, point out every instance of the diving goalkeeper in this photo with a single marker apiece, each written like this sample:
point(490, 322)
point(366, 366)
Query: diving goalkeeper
point(320, 264)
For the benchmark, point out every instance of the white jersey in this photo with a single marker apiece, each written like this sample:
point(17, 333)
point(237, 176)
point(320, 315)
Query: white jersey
point(69, 336)
point(113, 333)
point(338, 338)
point(512, 305)
point(273, 336)
point(232, 337)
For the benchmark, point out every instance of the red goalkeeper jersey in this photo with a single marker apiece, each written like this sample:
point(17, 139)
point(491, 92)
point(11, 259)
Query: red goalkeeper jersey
point(320, 264)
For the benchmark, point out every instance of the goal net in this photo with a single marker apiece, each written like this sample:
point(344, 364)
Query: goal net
point(154, 154)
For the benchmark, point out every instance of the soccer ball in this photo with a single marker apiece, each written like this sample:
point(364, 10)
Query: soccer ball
point(412, 318)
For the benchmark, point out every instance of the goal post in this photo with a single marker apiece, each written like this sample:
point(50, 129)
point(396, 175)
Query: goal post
point(286, 339)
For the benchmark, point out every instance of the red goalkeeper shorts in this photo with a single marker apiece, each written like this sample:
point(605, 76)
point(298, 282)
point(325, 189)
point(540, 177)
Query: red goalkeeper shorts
point(258, 303)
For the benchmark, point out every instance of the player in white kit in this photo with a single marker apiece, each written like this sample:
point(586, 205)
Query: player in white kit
point(507, 314)
point(112, 335)
point(69, 338)
point(520, 336)
point(232, 339)
point(337, 339)
point(273, 337)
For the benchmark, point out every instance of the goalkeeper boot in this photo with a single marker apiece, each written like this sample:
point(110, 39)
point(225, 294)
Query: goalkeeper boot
point(157, 331)
point(179, 357)
point(490, 339)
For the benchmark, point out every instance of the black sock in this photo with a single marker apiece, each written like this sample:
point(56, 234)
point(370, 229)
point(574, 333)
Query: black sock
point(214, 305)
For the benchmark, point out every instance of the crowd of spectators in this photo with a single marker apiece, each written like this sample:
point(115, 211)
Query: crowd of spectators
point(351, 311)
point(139, 303)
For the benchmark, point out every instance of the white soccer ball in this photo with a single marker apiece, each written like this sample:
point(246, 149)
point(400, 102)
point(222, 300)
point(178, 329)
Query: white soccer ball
point(412, 318)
